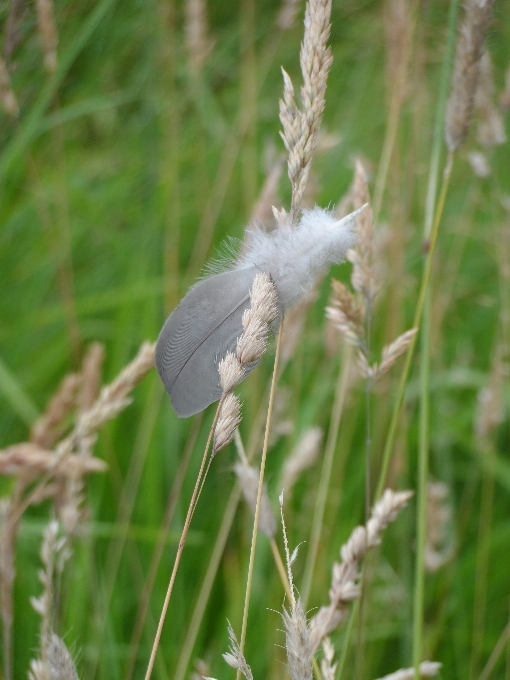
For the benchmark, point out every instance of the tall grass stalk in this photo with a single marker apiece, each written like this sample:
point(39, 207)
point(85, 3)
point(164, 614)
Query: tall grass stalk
point(392, 431)
point(432, 221)
point(159, 547)
point(259, 494)
point(191, 509)
point(423, 466)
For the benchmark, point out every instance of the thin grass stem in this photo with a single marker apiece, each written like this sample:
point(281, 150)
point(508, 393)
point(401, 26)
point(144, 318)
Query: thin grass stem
point(421, 515)
point(207, 584)
point(496, 653)
point(158, 549)
point(432, 221)
point(259, 494)
point(192, 505)
point(431, 246)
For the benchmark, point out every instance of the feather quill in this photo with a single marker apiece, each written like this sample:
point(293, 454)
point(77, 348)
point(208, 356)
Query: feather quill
point(208, 320)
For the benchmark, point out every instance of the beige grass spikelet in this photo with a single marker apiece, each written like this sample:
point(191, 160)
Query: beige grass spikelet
point(263, 299)
point(114, 397)
point(466, 71)
point(328, 668)
point(297, 642)
point(345, 585)
point(256, 319)
point(301, 127)
point(390, 354)
point(428, 669)
point(48, 33)
point(491, 126)
point(198, 43)
point(302, 457)
point(231, 372)
point(346, 313)
point(91, 375)
point(235, 657)
point(60, 660)
point(252, 344)
point(228, 421)
point(249, 481)
point(491, 411)
point(478, 161)
point(438, 550)
point(286, 17)
point(363, 255)
point(394, 350)
point(29, 460)
point(45, 430)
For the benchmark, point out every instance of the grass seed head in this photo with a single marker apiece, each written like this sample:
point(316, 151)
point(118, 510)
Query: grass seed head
point(228, 422)
point(466, 71)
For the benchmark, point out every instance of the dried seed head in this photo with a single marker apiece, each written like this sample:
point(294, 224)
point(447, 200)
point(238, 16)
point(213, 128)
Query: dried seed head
point(490, 399)
point(301, 127)
point(46, 429)
point(235, 657)
point(345, 579)
point(60, 662)
point(363, 255)
point(91, 374)
point(228, 421)
point(302, 457)
point(249, 480)
point(231, 372)
point(256, 319)
point(264, 299)
point(48, 33)
point(328, 668)
point(466, 71)
point(287, 15)
point(347, 314)
point(297, 642)
point(491, 126)
point(198, 43)
point(115, 396)
point(392, 352)
point(427, 670)
point(252, 344)
point(479, 163)
point(438, 550)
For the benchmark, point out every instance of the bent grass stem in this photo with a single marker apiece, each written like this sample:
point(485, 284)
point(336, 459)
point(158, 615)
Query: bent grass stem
point(191, 509)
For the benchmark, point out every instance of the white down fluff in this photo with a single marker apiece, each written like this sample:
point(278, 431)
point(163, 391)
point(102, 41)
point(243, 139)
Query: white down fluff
point(295, 257)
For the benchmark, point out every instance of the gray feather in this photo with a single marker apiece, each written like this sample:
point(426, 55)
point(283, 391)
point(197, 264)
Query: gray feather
point(198, 334)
